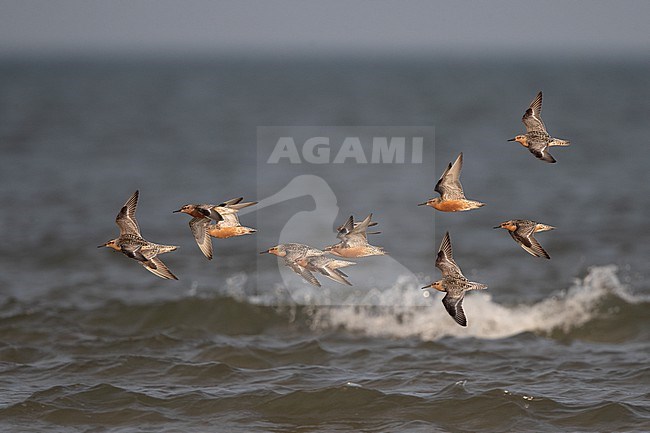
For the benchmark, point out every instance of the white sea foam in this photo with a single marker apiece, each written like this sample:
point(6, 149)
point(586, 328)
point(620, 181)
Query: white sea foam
point(401, 310)
point(487, 319)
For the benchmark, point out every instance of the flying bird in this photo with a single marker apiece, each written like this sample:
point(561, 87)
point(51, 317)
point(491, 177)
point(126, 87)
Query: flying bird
point(354, 240)
point(522, 232)
point(452, 198)
point(303, 260)
point(131, 243)
point(536, 139)
point(453, 282)
point(219, 221)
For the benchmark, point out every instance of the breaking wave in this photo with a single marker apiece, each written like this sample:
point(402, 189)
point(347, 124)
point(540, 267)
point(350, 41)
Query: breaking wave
point(598, 301)
point(596, 307)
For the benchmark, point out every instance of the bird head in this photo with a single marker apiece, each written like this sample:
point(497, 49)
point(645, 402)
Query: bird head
point(521, 139)
point(188, 208)
point(110, 244)
point(508, 225)
point(435, 285)
point(277, 250)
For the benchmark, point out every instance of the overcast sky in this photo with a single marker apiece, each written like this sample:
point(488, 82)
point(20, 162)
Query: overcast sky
point(589, 27)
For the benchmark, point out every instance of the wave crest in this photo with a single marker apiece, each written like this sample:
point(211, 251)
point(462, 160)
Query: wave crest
point(598, 296)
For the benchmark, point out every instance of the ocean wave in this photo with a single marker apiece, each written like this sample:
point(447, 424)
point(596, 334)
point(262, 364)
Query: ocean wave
point(597, 307)
point(453, 407)
point(344, 407)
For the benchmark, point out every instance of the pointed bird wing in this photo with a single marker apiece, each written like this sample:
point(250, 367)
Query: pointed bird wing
point(199, 228)
point(228, 211)
point(305, 273)
point(209, 211)
point(125, 219)
point(346, 228)
point(524, 237)
point(454, 306)
point(329, 268)
point(157, 267)
point(449, 186)
point(335, 275)
point(532, 117)
point(445, 260)
point(361, 227)
point(358, 233)
point(236, 204)
point(134, 251)
point(231, 202)
point(541, 152)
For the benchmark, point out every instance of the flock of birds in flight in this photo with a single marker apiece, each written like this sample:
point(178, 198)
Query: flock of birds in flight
point(221, 221)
